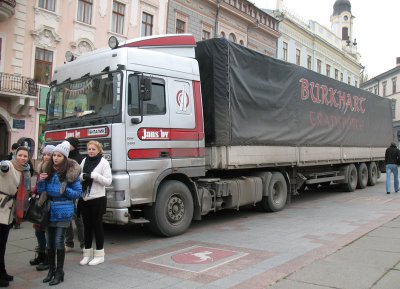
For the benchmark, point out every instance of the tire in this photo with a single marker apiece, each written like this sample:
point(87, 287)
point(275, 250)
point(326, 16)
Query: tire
point(277, 194)
point(372, 174)
point(172, 212)
point(362, 173)
point(351, 178)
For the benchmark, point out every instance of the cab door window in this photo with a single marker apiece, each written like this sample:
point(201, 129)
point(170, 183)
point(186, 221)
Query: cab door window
point(155, 106)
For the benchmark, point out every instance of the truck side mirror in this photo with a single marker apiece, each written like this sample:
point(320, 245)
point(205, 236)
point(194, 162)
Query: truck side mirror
point(145, 89)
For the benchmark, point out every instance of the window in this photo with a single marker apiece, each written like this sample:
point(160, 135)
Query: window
point(319, 65)
point(328, 70)
point(147, 24)
point(118, 15)
point(85, 11)
point(336, 74)
point(355, 83)
point(241, 42)
point(394, 81)
point(376, 89)
point(156, 106)
point(341, 76)
point(205, 35)
point(384, 84)
point(48, 4)
point(348, 80)
point(223, 34)
point(180, 26)
point(43, 65)
point(298, 56)
point(309, 62)
point(232, 37)
point(285, 51)
point(345, 33)
point(393, 102)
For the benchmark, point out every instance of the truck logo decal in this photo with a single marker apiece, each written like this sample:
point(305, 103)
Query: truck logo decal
point(96, 131)
point(182, 99)
point(156, 153)
point(153, 134)
point(78, 133)
point(329, 96)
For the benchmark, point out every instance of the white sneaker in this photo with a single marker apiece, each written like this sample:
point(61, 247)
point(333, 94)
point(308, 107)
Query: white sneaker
point(98, 257)
point(87, 256)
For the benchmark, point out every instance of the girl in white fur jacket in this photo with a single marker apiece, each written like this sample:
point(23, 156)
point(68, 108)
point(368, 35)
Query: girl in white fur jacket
point(96, 175)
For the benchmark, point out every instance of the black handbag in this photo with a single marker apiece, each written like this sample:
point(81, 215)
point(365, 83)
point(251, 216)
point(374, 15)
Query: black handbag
point(37, 214)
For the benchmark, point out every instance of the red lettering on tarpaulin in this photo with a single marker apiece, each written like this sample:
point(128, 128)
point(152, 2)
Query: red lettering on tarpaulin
point(321, 119)
point(329, 96)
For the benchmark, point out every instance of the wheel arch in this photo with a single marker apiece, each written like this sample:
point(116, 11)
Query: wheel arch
point(183, 178)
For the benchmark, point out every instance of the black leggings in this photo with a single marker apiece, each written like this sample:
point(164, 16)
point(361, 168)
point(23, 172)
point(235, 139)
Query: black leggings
point(92, 215)
point(4, 230)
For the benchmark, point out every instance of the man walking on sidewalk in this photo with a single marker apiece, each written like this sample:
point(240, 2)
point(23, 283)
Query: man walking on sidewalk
point(392, 159)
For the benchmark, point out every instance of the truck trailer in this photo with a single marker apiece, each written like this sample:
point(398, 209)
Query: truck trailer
point(192, 128)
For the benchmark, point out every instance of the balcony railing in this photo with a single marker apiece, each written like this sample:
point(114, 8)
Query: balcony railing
point(13, 83)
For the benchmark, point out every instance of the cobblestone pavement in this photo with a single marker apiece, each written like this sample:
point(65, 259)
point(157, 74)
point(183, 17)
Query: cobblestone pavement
point(304, 246)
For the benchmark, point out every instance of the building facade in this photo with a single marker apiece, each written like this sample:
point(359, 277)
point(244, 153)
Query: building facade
point(237, 20)
point(331, 52)
point(34, 37)
point(385, 85)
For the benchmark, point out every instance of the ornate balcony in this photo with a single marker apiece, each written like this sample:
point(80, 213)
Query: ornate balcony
point(20, 91)
point(17, 84)
point(7, 9)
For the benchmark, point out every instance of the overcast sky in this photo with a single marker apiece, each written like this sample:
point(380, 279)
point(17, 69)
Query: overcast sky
point(376, 27)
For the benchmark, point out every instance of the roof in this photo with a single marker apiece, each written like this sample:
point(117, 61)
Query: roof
point(341, 6)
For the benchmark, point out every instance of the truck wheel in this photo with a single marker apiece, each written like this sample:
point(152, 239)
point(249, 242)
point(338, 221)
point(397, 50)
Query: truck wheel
point(172, 212)
point(372, 174)
point(362, 173)
point(351, 178)
point(277, 194)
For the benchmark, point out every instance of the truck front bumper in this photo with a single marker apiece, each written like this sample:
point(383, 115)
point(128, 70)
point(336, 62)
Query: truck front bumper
point(116, 216)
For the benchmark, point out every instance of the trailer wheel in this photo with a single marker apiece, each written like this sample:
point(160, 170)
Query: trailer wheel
point(172, 212)
point(351, 178)
point(372, 174)
point(362, 173)
point(277, 189)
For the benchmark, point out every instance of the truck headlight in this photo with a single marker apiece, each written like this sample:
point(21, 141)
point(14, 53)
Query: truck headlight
point(116, 195)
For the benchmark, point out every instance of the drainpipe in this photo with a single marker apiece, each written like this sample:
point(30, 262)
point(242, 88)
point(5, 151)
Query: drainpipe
point(216, 19)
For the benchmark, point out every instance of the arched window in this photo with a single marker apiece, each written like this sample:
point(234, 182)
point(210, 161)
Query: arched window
point(232, 37)
point(223, 34)
point(241, 42)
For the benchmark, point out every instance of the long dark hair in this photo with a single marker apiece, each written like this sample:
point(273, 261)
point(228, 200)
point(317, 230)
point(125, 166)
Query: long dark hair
point(62, 169)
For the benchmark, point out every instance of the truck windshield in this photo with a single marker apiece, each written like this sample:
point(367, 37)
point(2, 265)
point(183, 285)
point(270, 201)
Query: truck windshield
point(94, 96)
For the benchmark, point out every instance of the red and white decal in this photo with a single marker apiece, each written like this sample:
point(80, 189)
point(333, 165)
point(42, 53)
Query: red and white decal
point(78, 133)
point(163, 41)
point(182, 99)
point(202, 255)
point(154, 134)
point(156, 153)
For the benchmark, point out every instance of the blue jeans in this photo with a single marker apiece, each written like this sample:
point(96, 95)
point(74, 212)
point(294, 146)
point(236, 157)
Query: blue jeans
point(392, 168)
point(56, 238)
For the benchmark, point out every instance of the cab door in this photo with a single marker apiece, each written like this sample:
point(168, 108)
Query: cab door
point(147, 138)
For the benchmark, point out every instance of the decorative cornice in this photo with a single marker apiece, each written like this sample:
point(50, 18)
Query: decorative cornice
point(46, 37)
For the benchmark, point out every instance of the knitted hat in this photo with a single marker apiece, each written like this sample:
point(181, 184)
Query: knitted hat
point(48, 149)
point(62, 148)
point(73, 141)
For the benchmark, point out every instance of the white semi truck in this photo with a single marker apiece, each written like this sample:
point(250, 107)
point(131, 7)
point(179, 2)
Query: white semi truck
point(192, 128)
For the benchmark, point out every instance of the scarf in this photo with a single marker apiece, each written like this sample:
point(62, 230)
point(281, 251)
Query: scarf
point(23, 188)
point(90, 164)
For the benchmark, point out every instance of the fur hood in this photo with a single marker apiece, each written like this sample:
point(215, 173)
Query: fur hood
point(73, 170)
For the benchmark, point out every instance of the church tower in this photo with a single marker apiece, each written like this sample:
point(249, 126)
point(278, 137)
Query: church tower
point(342, 22)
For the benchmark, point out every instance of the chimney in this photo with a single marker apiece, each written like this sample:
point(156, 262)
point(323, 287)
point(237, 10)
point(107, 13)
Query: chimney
point(397, 61)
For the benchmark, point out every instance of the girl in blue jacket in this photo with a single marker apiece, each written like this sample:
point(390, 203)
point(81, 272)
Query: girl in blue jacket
point(60, 179)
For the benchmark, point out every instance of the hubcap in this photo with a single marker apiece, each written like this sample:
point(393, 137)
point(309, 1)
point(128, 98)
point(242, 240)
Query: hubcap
point(175, 208)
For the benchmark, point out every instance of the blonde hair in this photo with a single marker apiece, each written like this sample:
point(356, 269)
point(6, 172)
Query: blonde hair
point(97, 144)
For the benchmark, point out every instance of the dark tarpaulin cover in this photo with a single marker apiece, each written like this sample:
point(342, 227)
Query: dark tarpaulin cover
point(253, 99)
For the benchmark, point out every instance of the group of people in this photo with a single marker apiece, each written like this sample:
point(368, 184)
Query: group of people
point(64, 177)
